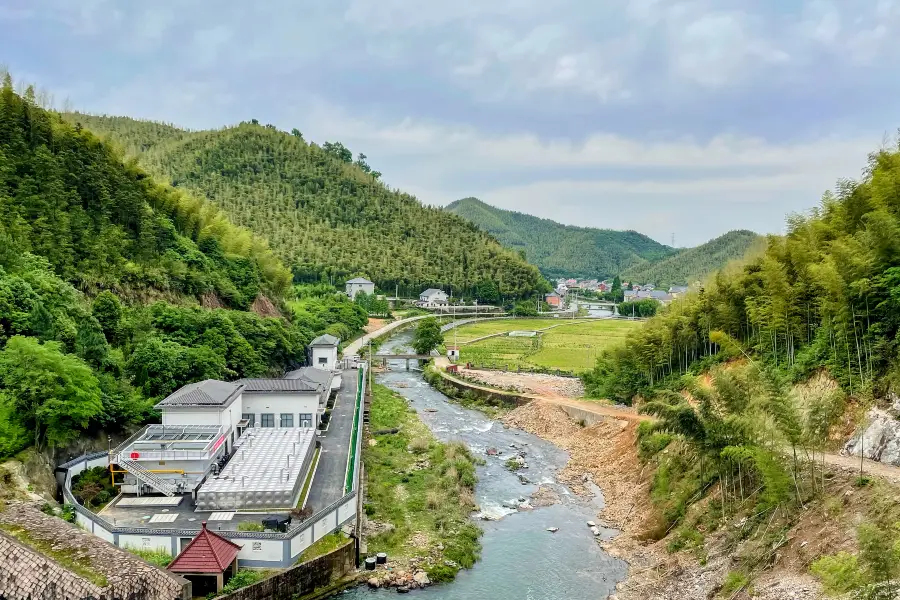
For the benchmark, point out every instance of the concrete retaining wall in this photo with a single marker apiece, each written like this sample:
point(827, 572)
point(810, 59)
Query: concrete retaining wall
point(302, 579)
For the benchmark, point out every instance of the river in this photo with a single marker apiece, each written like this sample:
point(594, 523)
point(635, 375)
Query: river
point(520, 559)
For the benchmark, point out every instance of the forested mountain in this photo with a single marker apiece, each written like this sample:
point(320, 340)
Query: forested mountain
point(694, 264)
point(563, 250)
point(825, 295)
point(328, 216)
point(102, 277)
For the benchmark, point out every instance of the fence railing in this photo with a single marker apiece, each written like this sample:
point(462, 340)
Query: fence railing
point(356, 432)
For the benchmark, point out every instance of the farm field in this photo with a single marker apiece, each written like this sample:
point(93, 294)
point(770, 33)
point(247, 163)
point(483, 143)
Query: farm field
point(572, 348)
point(467, 333)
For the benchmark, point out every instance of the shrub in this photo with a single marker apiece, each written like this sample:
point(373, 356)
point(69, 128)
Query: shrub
point(734, 581)
point(839, 573)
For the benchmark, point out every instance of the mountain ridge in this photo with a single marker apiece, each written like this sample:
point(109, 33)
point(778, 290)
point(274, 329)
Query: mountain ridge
point(328, 216)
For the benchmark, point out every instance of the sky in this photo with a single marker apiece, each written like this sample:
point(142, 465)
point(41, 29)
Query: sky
point(669, 117)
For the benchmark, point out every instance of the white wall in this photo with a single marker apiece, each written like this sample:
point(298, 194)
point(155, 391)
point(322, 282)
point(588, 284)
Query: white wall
point(146, 542)
point(354, 288)
point(294, 403)
point(194, 417)
point(301, 542)
point(271, 550)
point(330, 354)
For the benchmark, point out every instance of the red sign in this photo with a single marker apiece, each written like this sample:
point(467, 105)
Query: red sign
point(135, 455)
point(218, 443)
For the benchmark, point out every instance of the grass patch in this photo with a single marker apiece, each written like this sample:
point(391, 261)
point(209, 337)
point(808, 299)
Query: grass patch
point(573, 347)
point(327, 544)
point(154, 557)
point(250, 526)
point(309, 477)
point(423, 487)
point(734, 581)
point(79, 565)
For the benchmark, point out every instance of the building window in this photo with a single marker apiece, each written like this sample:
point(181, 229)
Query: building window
point(323, 360)
point(306, 420)
point(250, 419)
point(287, 419)
point(267, 420)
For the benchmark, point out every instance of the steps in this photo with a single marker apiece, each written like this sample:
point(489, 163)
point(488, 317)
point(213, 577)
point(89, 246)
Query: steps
point(151, 479)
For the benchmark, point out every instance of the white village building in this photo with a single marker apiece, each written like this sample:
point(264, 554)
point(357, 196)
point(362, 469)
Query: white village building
point(357, 285)
point(432, 298)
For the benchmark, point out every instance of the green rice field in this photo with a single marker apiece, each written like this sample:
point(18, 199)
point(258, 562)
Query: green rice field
point(568, 347)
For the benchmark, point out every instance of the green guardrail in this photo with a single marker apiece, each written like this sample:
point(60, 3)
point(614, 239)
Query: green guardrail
point(351, 459)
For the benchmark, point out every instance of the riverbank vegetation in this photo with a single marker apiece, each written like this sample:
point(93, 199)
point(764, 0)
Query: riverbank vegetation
point(419, 491)
point(327, 215)
point(493, 405)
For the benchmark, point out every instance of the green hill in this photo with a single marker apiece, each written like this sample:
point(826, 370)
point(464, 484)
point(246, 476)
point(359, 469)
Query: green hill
point(115, 290)
point(562, 250)
point(328, 216)
point(694, 264)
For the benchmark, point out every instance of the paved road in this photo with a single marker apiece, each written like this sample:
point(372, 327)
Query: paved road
point(331, 473)
point(356, 345)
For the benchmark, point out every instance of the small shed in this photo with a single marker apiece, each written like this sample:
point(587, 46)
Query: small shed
point(453, 353)
point(208, 562)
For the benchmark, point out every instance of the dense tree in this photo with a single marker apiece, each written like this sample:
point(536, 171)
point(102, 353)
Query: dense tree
point(428, 336)
point(107, 309)
point(695, 264)
point(638, 308)
point(326, 214)
point(824, 295)
point(55, 394)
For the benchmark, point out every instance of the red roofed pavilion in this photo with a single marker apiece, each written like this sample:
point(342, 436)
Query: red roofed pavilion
point(207, 556)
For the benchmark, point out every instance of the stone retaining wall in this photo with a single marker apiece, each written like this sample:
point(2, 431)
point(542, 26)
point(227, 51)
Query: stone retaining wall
point(302, 579)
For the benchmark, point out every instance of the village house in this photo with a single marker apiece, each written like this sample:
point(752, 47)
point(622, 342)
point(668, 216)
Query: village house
point(553, 299)
point(357, 285)
point(678, 290)
point(432, 298)
point(323, 352)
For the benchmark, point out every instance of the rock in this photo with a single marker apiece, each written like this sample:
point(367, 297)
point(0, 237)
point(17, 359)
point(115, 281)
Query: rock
point(403, 589)
point(595, 530)
point(492, 452)
point(430, 410)
point(422, 578)
point(374, 583)
point(525, 506)
point(591, 524)
point(880, 440)
point(373, 442)
point(553, 529)
point(523, 480)
point(509, 504)
point(521, 498)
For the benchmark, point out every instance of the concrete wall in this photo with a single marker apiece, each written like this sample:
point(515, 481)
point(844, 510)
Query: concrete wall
point(295, 404)
point(328, 353)
point(302, 579)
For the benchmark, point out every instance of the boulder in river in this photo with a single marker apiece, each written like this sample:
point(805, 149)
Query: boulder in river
point(421, 577)
point(492, 452)
point(591, 524)
point(553, 529)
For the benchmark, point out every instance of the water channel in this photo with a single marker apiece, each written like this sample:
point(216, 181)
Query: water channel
point(520, 559)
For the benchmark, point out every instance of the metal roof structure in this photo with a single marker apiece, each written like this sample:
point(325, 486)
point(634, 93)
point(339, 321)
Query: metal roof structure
point(279, 385)
point(209, 392)
point(325, 340)
point(206, 553)
point(266, 471)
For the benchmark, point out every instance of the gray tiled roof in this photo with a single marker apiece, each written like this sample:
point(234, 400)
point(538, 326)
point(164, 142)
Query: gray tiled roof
point(325, 340)
point(278, 385)
point(311, 374)
point(209, 392)
point(430, 291)
point(359, 280)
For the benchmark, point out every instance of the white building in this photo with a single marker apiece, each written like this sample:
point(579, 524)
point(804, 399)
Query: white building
point(281, 402)
point(453, 353)
point(357, 285)
point(323, 352)
point(432, 298)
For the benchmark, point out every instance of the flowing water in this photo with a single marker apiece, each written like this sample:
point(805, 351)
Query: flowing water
point(520, 559)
